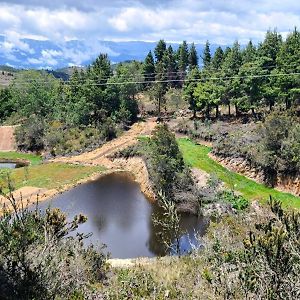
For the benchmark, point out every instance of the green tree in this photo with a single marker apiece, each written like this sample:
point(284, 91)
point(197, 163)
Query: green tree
point(149, 68)
point(230, 69)
point(189, 88)
point(183, 58)
point(288, 60)
point(6, 105)
point(193, 57)
point(160, 50)
point(206, 56)
point(170, 67)
point(217, 59)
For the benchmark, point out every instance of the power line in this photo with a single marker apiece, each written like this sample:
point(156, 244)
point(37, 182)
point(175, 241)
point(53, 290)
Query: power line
point(144, 75)
point(181, 80)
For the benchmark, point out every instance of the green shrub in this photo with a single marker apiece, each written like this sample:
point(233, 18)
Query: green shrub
point(39, 259)
point(238, 202)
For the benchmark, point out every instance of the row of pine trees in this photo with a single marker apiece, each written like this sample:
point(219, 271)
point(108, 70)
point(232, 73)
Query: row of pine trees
point(250, 78)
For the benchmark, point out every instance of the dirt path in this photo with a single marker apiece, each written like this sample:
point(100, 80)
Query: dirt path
point(135, 166)
point(7, 139)
point(101, 155)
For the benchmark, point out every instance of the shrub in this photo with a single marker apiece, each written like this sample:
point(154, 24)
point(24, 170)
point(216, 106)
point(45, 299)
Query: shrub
point(238, 202)
point(30, 135)
point(39, 259)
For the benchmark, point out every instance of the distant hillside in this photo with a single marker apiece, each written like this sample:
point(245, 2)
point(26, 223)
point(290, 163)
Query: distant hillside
point(7, 74)
point(48, 55)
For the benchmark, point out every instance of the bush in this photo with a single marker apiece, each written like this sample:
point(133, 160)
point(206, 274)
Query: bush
point(39, 259)
point(30, 135)
point(238, 202)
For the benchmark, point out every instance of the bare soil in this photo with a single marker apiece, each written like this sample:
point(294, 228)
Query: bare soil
point(7, 138)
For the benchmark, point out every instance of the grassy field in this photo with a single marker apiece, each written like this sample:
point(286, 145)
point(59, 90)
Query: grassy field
point(44, 175)
point(197, 156)
point(32, 158)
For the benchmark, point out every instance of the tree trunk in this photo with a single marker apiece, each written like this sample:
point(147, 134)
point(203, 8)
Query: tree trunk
point(159, 107)
point(237, 113)
point(194, 113)
point(253, 112)
point(229, 113)
point(207, 111)
point(287, 103)
point(271, 105)
point(217, 111)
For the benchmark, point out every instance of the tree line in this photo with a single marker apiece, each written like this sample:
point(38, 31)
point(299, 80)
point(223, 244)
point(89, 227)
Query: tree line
point(249, 78)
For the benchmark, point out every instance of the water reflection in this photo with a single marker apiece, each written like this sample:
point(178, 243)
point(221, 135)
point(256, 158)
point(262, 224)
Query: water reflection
point(120, 216)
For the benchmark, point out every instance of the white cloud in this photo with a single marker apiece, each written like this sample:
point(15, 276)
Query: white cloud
point(61, 21)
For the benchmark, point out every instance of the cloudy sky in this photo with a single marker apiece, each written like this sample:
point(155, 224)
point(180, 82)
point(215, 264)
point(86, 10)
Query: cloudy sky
point(91, 21)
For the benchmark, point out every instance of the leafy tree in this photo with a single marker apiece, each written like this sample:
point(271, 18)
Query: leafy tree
point(6, 105)
point(34, 95)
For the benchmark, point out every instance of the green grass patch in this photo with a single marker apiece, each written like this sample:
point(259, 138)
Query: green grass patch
point(50, 175)
point(32, 158)
point(196, 156)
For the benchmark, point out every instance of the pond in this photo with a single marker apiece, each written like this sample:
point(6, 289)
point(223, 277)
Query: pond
point(12, 164)
point(121, 217)
point(6, 165)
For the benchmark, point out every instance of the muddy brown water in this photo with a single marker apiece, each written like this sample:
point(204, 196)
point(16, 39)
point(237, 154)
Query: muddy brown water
point(121, 217)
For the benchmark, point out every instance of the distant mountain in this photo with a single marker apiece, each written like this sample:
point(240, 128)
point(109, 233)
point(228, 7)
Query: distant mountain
point(34, 54)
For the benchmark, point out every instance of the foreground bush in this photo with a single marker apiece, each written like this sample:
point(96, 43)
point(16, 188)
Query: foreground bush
point(39, 259)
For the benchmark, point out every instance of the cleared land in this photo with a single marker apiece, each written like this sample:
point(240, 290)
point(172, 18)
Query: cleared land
point(101, 155)
point(7, 139)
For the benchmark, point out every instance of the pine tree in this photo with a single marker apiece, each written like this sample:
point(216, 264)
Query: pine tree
point(170, 66)
point(183, 57)
point(206, 56)
point(217, 59)
point(193, 57)
point(159, 50)
point(288, 60)
point(189, 88)
point(149, 67)
point(249, 53)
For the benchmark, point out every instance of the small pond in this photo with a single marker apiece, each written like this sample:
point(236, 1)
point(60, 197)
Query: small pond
point(121, 217)
point(12, 164)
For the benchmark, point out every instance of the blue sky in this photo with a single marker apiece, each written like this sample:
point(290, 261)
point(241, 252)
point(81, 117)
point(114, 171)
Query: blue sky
point(92, 21)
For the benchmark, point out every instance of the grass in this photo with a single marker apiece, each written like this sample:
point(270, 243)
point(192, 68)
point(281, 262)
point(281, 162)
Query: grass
point(32, 158)
point(50, 175)
point(197, 156)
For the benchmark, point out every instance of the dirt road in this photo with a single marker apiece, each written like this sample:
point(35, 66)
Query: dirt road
point(7, 139)
point(101, 155)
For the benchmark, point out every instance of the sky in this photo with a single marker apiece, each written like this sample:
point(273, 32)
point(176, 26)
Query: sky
point(92, 21)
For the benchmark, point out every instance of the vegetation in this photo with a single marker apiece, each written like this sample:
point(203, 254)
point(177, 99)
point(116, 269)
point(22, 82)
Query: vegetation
point(243, 257)
point(197, 156)
point(71, 117)
point(47, 175)
point(40, 260)
point(32, 158)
